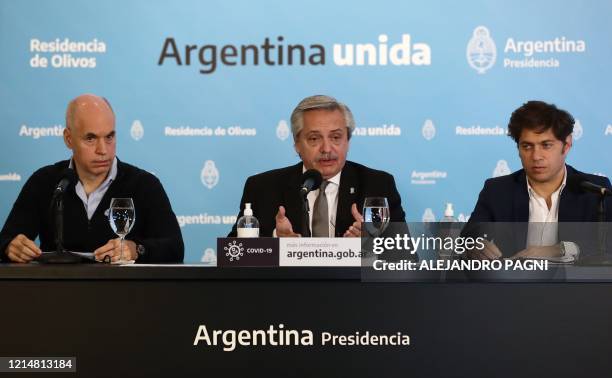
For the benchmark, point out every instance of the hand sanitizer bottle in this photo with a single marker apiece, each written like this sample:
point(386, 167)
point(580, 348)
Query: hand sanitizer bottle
point(248, 225)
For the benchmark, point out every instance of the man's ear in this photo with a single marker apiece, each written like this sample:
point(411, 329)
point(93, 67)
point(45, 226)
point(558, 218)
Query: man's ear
point(68, 138)
point(568, 144)
point(297, 149)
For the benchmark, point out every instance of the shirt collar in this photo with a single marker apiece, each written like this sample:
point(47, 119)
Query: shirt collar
point(112, 175)
point(558, 191)
point(335, 179)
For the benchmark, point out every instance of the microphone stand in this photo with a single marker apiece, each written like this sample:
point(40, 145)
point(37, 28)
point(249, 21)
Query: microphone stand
point(60, 256)
point(602, 229)
point(601, 259)
point(305, 216)
point(311, 180)
point(59, 222)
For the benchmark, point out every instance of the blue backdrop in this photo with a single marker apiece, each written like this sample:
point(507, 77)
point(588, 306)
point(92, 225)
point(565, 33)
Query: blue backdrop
point(203, 90)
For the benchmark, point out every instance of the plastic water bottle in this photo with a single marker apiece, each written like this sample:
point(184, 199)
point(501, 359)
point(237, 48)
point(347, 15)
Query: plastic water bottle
point(445, 230)
point(248, 225)
point(449, 214)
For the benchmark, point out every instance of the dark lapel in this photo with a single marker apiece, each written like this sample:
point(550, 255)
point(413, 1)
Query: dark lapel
point(112, 191)
point(520, 216)
point(520, 207)
point(80, 209)
point(291, 197)
point(569, 211)
point(349, 192)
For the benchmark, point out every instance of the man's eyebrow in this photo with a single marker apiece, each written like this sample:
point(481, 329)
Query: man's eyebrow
point(540, 142)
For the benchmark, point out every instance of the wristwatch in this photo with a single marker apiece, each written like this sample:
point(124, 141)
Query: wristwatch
point(140, 249)
point(562, 249)
point(569, 249)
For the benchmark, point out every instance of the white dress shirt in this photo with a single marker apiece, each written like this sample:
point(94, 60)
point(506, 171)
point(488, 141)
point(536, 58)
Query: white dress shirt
point(92, 201)
point(544, 222)
point(331, 191)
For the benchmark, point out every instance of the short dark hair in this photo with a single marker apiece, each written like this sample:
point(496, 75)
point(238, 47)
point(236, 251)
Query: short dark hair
point(539, 117)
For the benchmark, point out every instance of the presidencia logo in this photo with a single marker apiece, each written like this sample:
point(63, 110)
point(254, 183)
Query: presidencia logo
point(481, 51)
point(501, 169)
point(578, 130)
point(234, 251)
point(428, 130)
point(209, 175)
point(282, 130)
point(137, 131)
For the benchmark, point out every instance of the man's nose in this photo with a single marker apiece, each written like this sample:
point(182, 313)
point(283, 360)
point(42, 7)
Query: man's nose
point(537, 153)
point(325, 145)
point(101, 147)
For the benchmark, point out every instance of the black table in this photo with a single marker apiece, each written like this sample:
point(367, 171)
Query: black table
point(143, 320)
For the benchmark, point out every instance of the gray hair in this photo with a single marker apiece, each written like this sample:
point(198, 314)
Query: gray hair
point(319, 102)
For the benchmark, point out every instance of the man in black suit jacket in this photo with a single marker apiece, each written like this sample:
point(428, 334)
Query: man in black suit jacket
point(545, 190)
point(280, 187)
point(321, 128)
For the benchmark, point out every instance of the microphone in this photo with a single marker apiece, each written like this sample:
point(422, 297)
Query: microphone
point(60, 255)
point(311, 180)
point(68, 177)
point(580, 182)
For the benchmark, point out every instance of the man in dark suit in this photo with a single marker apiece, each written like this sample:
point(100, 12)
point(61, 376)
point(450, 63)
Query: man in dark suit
point(321, 128)
point(533, 201)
